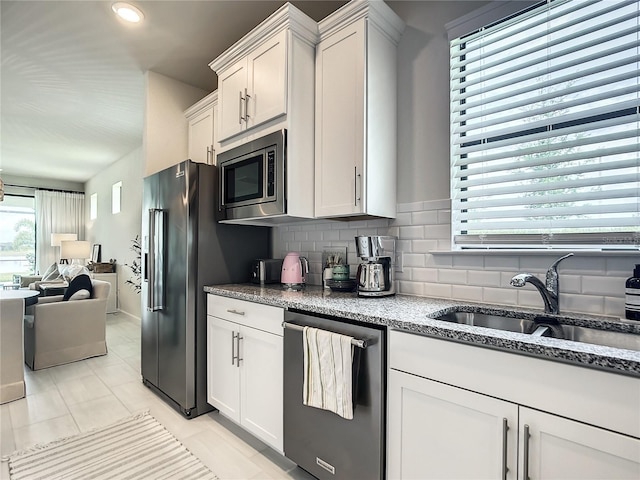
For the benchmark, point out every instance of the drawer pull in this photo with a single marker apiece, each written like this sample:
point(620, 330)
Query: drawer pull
point(235, 312)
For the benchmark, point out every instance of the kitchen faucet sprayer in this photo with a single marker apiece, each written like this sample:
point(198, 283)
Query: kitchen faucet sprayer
point(550, 291)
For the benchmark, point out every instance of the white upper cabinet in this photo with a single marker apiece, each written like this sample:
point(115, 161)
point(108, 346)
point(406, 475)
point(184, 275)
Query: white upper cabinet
point(256, 76)
point(266, 83)
point(356, 119)
point(202, 129)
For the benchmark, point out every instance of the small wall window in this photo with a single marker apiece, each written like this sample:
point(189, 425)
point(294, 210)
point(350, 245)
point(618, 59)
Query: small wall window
point(116, 192)
point(93, 210)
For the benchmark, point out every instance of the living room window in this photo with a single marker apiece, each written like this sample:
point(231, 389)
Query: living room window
point(545, 128)
point(17, 236)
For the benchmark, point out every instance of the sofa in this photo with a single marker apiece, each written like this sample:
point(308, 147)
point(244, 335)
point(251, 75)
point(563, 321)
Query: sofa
point(11, 354)
point(58, 332)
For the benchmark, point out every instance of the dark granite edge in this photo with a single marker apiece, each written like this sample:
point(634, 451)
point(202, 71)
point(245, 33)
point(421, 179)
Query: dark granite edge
point(606, 358)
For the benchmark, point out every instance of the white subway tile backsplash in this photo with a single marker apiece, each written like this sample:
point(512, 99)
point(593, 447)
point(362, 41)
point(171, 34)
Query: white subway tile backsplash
point(501, 262)
point(410, 207)
point(483, 278)
point(614, 306)
point(402, 219)
point(444, 245)
point(570, 284)
point(444, 216)
point(468, 261)
point(331, 235)
point(530, 298)
point(466, 292)
point(588, 283)
point(413, 232)
point(454, 277)
point(582, 303)
point(424, 275)
point(612, 286)
point(501, 296)
point(622, 266)
point(438, 204)
point(429, 217)
point(582, 265)
point(439, 260)
point(423, 246)
point(413, 259)
point(411, 288)
point(439, 232)
point(440, 290)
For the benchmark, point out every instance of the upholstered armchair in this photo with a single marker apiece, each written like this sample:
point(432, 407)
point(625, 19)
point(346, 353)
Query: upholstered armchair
point(11, 357)
point(58, 332)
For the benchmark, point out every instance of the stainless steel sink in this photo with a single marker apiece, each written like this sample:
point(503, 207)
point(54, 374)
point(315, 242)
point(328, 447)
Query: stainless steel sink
point(547, 327)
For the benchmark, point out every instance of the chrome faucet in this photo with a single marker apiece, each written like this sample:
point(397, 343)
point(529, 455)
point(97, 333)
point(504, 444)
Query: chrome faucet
point(551, 291)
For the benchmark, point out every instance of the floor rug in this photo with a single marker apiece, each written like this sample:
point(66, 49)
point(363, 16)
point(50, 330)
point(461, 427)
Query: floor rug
point(137, 447)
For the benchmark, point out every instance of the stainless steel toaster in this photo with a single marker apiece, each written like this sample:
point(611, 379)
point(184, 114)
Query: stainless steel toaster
point(266, 270)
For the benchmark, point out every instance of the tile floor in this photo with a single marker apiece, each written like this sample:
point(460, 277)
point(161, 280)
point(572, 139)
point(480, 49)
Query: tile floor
point(62, 401)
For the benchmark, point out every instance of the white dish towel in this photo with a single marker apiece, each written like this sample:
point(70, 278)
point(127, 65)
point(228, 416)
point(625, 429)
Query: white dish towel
point(328, 382)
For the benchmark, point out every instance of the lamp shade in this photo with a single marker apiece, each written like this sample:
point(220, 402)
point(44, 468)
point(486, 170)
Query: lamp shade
point(78, 249)
point(56, 238)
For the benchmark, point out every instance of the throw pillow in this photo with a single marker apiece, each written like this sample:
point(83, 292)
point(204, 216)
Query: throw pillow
point(80, 282)
point(52, 273)
point(80, 295)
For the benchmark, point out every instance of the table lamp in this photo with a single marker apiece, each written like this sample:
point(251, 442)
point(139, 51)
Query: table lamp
point(78, 251)
point(57, 238)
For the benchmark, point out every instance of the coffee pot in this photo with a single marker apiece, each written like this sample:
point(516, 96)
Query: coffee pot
point(294, 271)
point(375, 275)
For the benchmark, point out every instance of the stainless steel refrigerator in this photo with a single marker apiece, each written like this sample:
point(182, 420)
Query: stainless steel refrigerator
point(184, 249)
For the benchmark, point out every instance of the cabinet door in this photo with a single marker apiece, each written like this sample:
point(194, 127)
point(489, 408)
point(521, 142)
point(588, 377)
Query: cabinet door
point(201, 137)
point(439, 431)
point(223, 375)
point(267, 81)
point(231, 86)
point(340, 114)
point(561, 448)
point(261, 385)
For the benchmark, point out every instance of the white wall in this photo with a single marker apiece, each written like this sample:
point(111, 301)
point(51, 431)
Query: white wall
point(165, 126)
point(589, 282)
point(116, 231)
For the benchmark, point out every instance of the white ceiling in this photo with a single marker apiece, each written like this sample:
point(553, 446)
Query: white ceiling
point(71, 77)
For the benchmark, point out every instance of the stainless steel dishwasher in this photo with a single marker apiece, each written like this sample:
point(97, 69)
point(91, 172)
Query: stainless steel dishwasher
point(321, 442)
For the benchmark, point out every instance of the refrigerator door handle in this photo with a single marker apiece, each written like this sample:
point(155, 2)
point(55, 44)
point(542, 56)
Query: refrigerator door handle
point(155, 298)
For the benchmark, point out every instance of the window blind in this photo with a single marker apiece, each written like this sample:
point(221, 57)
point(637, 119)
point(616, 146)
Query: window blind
point(545, 128)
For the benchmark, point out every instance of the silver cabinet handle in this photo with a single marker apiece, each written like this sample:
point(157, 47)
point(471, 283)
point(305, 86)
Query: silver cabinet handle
point(233, 347)
point(526, 453)
point(356, 176)
point(505, 429)
point(238, 358)
point(241, 101)
point(246, 105)
point(235, 312)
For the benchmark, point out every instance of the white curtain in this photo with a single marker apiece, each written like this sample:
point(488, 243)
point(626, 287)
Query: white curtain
point(56, 212)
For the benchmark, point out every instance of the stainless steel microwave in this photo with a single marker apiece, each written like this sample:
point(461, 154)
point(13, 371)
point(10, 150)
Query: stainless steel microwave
point(252, 178)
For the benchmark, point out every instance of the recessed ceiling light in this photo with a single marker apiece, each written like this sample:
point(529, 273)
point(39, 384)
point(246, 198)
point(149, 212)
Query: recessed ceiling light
point(127, 12)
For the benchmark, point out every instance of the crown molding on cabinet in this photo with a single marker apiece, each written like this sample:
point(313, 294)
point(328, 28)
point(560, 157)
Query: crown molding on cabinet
point(201, 104)
point(377, 11)
point(285, 17)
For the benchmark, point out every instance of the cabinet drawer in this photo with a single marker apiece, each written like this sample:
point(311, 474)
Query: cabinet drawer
point(255, 315)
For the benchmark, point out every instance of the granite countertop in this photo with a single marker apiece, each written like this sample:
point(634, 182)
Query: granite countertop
point(415, 314)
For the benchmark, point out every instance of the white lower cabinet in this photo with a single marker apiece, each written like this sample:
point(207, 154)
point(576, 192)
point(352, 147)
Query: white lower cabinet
point(244, 365)
point(437, 430)
point(558, 448)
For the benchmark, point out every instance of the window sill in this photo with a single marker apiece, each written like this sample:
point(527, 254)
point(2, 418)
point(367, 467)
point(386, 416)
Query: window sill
point(538, 253)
